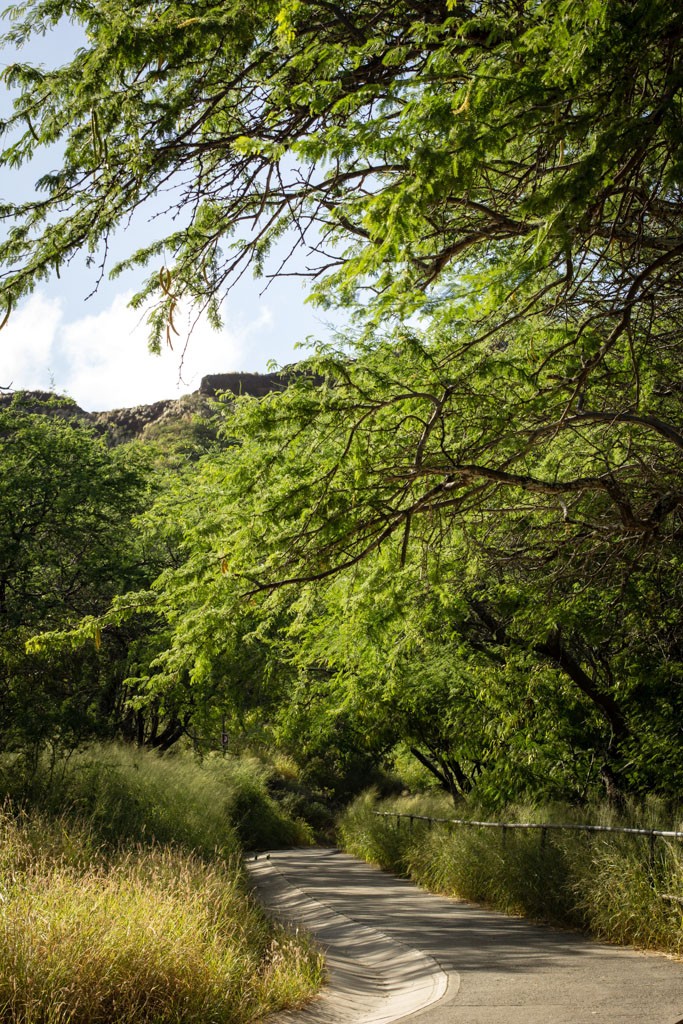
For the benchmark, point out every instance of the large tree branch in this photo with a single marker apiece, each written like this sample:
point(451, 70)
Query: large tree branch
point(666, 430)
point(555, 651)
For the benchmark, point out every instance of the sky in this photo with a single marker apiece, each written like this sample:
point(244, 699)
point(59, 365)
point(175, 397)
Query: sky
point(94, 347)
point(101, 359)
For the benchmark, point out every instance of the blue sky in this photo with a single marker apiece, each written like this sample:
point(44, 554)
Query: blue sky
point(94, 348)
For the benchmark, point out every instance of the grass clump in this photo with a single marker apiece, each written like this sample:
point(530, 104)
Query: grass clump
point(143, 934)
point(123, 897)
point(210, 805)
point(608, 885)
point(625, 897)
point(365, 835)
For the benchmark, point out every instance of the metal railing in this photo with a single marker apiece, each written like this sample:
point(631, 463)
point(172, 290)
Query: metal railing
point(544, 828)
point(651, 834)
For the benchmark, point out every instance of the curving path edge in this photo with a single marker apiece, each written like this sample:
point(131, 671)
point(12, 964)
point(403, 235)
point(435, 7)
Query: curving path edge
point(394, 950)
point(372, 978)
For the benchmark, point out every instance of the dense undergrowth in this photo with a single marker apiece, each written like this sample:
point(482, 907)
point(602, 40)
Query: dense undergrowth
point(122, 896)
point(613, 886)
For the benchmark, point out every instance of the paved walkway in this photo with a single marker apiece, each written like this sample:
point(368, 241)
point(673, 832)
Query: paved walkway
point(395, 951)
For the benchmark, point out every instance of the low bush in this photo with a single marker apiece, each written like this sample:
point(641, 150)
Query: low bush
point(261, 821)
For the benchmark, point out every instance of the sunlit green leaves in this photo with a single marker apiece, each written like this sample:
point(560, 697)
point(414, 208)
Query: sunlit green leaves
point(424, 137)
point(464, 519)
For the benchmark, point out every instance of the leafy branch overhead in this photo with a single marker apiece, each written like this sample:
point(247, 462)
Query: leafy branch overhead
point(404, 142)
point(479, 485)
point(511, 172)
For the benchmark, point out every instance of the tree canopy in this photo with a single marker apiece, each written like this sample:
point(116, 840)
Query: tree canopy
point(414, 138)
point(66, 548)
point(493, 449)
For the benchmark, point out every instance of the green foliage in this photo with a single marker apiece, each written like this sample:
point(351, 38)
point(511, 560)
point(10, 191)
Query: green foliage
point(503, 666)
point(460, 528)
point(206, 806)
point(412, 135)
point(607, 885)
point(65, 549)
point(261, 822)
point(67, 504)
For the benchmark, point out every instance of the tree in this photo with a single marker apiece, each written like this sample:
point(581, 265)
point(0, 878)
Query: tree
point(65, 551)
point(495, 191)
point(414, 136)
point(510, 172)
point(405, 664)
point(506, 653)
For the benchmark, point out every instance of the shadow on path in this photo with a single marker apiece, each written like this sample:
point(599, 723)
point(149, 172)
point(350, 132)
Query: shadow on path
point(475, 966)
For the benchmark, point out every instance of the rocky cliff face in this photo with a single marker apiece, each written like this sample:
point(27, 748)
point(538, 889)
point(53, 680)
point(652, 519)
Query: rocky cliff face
point(255, 384)
point(146, 421)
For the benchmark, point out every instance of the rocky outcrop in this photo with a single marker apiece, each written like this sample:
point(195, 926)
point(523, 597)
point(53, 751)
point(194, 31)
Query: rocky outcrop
point(254, 384)
point(150, 421)
point(121, 425)
point(116, 425)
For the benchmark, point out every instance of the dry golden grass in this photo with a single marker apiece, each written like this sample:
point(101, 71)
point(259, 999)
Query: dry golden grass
point(101, 923)
point(160, 936)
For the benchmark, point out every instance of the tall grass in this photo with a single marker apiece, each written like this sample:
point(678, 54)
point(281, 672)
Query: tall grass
point(143, 934)
point(130, 794)
point(122, 898)
point(608, 885)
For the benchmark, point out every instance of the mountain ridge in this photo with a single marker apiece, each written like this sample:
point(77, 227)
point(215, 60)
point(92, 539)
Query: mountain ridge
point(131, 422)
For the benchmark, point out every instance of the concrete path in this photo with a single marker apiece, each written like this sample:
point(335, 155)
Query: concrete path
point(395, 951)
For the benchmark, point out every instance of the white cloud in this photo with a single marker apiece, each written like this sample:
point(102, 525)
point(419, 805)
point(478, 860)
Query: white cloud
point(27, 344)
point(110, 365)
point(102, 360)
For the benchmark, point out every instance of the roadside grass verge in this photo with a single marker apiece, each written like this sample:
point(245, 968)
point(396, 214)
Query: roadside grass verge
point(130, 905)
point(610, 886)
